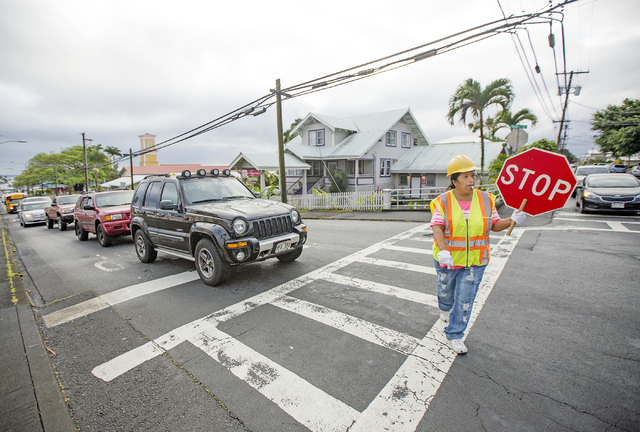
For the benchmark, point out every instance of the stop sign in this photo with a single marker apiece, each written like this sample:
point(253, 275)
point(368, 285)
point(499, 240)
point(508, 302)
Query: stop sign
point(541, 177)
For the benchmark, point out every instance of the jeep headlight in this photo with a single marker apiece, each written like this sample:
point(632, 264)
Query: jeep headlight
point(295, 216)
point(113, 217)
point(240, 227)
point(67, 210)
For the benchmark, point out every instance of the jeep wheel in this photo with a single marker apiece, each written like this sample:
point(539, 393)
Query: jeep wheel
point(291, 256)
point(80, 232)
point(213, 270)
point(105, 239)
point(62, 226)
point(49, 223)
point(145, 252)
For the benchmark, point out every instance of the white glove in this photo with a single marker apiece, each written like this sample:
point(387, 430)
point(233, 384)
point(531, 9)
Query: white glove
point(445, 259)
point(518, 217)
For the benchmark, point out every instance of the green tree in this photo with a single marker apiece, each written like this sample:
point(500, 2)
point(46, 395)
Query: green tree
point(113, 152)
point(471, 98)
point(619, 128)
point(340, 181)
point(543, 144)
point(287, 134)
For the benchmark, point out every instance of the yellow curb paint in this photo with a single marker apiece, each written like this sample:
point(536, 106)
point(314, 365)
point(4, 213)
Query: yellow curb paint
point(10, 272)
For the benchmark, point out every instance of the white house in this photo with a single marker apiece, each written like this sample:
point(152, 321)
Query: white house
point(386, 150)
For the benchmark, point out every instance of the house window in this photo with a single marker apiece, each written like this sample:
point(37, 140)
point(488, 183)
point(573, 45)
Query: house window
point(406, 140)
point(385, 167)
point(294, 172)
point(415, 141)
point(403, 180)
point(391, 138)
point(365, 168)
point(332, 166)
point(351, 168)
point(316, 168)
point(430, 180)
point(316, 137)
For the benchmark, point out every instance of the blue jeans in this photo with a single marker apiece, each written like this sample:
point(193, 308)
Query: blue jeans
point(457, 291)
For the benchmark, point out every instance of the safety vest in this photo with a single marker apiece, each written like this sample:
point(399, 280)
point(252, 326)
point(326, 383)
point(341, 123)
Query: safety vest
point(466, 239)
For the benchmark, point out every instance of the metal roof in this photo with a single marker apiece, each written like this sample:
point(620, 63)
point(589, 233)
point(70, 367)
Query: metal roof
point(371, 127)
point(266, 162)
point(436, 157)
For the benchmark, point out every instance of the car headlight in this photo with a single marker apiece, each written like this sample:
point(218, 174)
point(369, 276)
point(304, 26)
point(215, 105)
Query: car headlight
point(588, 194)
point(240, 227)
point(67, 210)
point(113, 217)
point(28, 215)
point(295, 216)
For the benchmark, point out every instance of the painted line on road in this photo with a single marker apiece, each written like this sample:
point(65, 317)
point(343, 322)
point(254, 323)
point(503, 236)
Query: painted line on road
point(131, 359)
point(106, 300)
point(303, 401)
point(401, 404)
point(390, 290)
point(397, 265)
point(409, 249)
point(357, 327)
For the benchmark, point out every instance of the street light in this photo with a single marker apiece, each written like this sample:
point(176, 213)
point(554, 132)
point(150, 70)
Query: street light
point(12, 141)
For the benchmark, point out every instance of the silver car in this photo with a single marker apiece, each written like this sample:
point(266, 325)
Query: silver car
point(582, 171)
point(32, 213)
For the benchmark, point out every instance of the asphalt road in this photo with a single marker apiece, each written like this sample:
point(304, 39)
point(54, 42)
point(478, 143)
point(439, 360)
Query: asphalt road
point(348, 336)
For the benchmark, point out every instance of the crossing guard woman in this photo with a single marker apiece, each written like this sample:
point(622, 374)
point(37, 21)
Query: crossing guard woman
point(462, 219)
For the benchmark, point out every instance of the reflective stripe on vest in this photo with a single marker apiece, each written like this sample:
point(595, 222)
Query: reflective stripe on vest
point(466, 239)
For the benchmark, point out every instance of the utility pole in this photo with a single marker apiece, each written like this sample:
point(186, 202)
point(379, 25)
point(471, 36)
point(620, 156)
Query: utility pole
point(86, 168)
point(131, 166)
point(566, 101)
point(283, 173)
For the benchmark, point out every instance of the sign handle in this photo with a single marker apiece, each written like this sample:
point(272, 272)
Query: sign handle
point(524, 203)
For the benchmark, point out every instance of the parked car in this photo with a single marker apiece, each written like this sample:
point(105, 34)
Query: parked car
point(617, 168)
point(105, 214)
point(582, 171)
point(635, 170)
point(32, 213)
point(60, 211)
point(609, 192)
point(214, 220)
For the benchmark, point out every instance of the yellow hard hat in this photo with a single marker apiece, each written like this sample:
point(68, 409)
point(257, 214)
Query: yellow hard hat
point(460, 164)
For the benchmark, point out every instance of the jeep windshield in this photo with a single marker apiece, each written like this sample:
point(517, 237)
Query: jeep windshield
point(208, 189)
point(114, 199)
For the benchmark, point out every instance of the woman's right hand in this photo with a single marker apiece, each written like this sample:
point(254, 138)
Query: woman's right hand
point(445, 259)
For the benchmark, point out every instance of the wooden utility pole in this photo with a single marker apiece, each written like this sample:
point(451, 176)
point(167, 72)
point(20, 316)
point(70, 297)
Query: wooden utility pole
point(566, 101)
point(86, 168)
point(131, 167)
point(283, 173)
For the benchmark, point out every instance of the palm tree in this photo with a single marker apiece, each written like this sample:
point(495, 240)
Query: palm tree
point(112, 152)
point(470, 97)
point(506, 119)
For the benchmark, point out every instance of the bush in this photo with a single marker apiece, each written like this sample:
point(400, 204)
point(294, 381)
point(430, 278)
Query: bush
point(339, 181)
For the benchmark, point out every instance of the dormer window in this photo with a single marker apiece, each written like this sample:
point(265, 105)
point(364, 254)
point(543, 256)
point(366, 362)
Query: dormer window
point(391, 138)
point(316, 137)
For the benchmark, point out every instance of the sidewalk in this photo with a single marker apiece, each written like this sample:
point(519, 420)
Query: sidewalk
point(30, 397)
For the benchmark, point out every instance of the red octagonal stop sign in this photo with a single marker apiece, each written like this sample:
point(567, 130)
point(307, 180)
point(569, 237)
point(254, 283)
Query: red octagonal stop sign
point(541, 177)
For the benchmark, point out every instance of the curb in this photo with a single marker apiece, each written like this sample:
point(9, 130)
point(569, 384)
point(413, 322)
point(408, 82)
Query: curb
point(53, 411)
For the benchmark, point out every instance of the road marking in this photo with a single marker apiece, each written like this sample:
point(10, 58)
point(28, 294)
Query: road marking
point(397, 265)
point(593, 220)
point(401, 293)
point(311, 406)
point(409, 249)
point(362, 329)
point(401, 403)
point(106, 300)
point(618, 226)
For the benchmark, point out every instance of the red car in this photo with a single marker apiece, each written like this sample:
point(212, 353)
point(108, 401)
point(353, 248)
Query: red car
point(106, 214)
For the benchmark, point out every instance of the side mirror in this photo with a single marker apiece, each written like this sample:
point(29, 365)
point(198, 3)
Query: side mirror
point(168, 205)
point(257, 194)
point(53, 204)
point(89, 207)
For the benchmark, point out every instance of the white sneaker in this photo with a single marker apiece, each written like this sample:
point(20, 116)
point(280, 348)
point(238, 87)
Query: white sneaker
point(458, 346)
point(444, 316)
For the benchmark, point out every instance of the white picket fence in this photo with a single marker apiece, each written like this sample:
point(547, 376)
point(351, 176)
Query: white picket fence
point(361, 201)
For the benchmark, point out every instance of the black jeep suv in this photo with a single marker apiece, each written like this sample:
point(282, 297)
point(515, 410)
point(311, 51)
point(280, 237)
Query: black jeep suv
point(213, 219)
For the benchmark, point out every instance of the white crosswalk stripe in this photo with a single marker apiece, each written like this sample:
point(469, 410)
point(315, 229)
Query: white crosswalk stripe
point(401, 403)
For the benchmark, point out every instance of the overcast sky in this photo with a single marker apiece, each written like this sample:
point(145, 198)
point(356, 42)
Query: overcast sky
point(119, 69)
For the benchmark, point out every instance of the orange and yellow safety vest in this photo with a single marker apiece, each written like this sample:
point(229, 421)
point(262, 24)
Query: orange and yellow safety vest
point(466, 239)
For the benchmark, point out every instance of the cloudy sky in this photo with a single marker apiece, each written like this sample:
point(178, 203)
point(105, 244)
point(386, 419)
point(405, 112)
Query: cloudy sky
point(118, 69)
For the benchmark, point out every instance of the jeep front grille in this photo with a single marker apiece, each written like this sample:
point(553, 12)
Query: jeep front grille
point(272, 227)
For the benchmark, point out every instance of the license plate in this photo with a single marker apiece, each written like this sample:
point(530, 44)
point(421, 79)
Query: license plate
point(284, 246)
point(617, 205)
